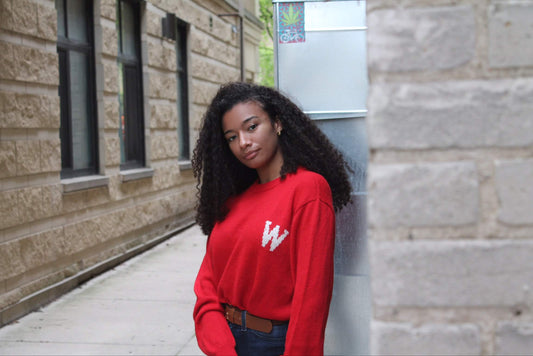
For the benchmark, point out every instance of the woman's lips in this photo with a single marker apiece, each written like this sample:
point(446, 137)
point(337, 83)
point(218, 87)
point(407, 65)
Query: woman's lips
point(250, 155)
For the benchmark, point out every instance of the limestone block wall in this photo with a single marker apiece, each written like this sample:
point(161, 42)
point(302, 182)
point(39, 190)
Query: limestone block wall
point(450, 181)
point(55, 235)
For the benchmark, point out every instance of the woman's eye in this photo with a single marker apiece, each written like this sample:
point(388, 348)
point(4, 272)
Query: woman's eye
point(252, 127)
point(231, 139)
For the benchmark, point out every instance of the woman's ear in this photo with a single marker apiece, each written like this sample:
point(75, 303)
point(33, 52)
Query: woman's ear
point(277, 126)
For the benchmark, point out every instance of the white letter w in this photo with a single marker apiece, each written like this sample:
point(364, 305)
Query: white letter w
point(273, 235)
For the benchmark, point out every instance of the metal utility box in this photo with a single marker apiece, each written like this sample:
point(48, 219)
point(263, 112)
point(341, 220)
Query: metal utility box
point(320, 59)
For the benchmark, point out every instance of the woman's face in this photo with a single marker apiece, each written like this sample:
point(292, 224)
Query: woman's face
point(253, 139)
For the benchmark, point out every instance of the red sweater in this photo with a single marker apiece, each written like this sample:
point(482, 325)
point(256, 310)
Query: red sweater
point(273, 257)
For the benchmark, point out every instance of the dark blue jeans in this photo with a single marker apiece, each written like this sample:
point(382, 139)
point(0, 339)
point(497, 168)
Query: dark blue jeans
point(256, 343)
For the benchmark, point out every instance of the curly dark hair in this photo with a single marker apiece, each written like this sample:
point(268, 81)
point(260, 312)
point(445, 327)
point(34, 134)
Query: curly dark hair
point(220, 175)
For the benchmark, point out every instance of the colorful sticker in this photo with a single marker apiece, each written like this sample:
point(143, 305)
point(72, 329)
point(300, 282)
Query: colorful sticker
point(291, 22)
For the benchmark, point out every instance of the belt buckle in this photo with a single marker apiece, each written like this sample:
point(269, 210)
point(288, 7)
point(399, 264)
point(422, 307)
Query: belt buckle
point(230, 313)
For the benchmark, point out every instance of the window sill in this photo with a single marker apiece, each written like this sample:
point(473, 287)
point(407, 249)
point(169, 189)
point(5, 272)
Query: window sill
point(136, 174)
point(83, 183)
point(185, 165)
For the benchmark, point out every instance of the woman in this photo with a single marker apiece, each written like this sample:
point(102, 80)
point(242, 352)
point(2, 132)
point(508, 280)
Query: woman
point(269, 183)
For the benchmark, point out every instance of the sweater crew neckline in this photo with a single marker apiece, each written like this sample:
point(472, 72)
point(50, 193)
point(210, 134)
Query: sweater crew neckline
point(258, 187)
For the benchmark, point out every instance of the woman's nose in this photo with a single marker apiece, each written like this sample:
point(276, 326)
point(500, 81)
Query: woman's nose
point(244, 141)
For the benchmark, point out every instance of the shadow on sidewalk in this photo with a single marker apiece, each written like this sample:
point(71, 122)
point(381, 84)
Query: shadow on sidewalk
point(142, 307)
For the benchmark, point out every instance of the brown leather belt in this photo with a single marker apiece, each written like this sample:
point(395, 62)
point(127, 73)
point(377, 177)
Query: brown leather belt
point(234, 315)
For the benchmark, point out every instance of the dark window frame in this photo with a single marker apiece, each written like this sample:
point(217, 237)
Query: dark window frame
point(65, 46)
point(132, 105)
point(183, 89)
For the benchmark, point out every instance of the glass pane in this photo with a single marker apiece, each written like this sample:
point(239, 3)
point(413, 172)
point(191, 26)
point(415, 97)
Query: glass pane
point(122, 123)
point(349, 319)
point(351, 256)
point(312, 63)
point(81, 128)
point(77, 20)
point(128, 28)
point(316, 67)
point(180, 48)
point(349, 136)
point(183, 118)
point(347, 331)
point(131, 132)
point(60, 17)
point(64, 104)
point(335, 14)
point(132, 114)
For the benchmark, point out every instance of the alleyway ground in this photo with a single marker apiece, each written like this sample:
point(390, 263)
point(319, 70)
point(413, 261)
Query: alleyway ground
point(142, 307)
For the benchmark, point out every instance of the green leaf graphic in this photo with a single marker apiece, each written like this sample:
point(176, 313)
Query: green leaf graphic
point(290, 17)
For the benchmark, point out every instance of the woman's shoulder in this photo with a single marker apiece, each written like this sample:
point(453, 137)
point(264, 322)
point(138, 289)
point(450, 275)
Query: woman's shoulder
point(309, 183)
point(303, 175)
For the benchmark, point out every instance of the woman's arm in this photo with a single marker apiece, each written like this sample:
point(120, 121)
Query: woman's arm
point(212, 330)
point(312, 248)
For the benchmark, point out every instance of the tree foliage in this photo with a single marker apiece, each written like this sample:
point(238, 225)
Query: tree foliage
point(266, 16)
point(266, 47)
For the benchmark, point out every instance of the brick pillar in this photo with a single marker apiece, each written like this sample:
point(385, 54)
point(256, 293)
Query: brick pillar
point(450, 209)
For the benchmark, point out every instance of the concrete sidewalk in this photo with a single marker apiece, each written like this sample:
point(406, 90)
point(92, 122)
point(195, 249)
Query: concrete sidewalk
point(142, 307)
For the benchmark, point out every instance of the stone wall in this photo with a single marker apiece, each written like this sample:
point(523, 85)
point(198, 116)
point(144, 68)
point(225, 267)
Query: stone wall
point(451, 176)
point(54, 234)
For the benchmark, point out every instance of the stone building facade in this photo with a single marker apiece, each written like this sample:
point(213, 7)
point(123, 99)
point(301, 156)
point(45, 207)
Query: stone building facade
point(451, 176)
point(58, 225)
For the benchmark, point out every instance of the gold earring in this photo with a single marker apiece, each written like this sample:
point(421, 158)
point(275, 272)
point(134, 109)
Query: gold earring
point(279, 133)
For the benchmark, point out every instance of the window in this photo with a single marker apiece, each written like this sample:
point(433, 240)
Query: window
point(131, 130)
point(183, 95)
point(75, 48)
